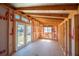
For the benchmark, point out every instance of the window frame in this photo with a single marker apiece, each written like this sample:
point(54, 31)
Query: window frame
point(47, 29)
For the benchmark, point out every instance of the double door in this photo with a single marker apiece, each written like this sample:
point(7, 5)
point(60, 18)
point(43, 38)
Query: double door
point(23, 35)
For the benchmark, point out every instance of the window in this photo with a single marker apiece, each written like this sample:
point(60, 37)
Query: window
point(24, 19)
point(30, 21)
point(17, 16)
point(47, 29)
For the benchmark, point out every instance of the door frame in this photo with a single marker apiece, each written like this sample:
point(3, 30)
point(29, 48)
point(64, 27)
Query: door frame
point(24, 35)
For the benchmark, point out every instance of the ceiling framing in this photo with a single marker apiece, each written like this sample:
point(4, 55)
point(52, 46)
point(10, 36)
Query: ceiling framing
point(49, 14)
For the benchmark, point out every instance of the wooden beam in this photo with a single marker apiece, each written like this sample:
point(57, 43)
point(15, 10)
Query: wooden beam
point(51, 7)
point(49, 14)
point(7, 5)
point(50, 18)
point(33, 19)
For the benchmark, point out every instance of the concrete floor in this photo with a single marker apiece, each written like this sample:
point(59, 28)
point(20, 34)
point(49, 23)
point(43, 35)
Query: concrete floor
point(43, 47)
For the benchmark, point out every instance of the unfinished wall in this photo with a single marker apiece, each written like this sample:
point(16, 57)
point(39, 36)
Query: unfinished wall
point(10, 30)
point(41, 31)
point(37, 30)
point(68, 34)
point(55, 33)
point(64, 36)
point(76, 34)
point(6, 27)
point(3, 31)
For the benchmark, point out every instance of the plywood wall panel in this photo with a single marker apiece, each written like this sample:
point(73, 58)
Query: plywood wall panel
point(3, 37)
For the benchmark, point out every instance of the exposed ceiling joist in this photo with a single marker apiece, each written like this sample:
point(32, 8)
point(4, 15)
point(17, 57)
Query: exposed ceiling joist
point(50, 18)
point(48, 14)
point(51, 7)
point(48, 11)
point(46, 21)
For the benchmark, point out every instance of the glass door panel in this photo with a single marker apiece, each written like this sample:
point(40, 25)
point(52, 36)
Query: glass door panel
point(20, 32)
point(28, 34)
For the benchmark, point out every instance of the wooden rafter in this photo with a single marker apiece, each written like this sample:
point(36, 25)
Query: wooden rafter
point(50, 18)
point(51, 7)
point(49, 14)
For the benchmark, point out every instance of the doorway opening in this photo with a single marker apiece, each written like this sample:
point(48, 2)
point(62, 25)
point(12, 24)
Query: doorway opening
point(23, 35)
point(48, 32)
